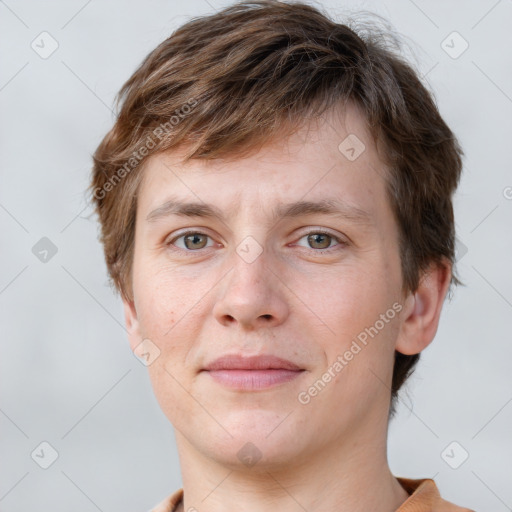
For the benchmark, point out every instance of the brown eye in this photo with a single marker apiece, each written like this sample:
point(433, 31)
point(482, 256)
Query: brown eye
point(319, 240)
point(190, 241)
point(322, 242)
point(195, 241)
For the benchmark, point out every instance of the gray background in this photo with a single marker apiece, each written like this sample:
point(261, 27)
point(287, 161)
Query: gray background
point(68, 375)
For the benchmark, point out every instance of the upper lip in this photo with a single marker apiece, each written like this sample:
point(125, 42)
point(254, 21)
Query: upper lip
point(263, 362)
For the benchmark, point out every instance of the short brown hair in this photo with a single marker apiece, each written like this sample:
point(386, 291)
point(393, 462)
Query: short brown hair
point(228, 83)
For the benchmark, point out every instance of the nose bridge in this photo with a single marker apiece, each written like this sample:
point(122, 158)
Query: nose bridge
point(249, 279)
point(250, 266)
point(251, 295)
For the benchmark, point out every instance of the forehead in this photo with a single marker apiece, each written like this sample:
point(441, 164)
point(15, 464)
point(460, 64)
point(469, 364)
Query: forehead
point(332, 156)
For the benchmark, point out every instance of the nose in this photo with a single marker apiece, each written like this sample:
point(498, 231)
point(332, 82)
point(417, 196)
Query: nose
point(252, 295)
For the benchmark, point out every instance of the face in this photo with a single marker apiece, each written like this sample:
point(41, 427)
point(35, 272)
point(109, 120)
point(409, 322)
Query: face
point(291, 252)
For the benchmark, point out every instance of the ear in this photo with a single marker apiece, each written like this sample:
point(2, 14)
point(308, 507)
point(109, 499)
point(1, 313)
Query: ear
point(132, 323)
point(422, 310)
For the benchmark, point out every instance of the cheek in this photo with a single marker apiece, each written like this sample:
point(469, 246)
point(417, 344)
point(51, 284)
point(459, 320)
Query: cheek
point(349, 302)
point(170, 390)
point(157, 313)
point(358, 309)
point(171, 311)
point(164, 297)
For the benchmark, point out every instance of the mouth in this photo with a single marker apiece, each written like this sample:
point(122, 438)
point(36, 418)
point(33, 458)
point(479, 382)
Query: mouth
point(252, 373)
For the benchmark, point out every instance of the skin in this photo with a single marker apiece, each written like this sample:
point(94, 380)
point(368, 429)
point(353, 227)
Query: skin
point(301, 300)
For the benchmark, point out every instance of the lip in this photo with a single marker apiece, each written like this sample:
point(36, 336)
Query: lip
point(263, 362)
point(252, 373)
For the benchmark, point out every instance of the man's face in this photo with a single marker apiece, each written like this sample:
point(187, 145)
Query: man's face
point(300, 287)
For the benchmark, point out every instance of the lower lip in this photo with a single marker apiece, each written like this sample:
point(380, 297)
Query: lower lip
point(253, 379)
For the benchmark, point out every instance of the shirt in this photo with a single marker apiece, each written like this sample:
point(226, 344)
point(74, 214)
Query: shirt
point(423, 497)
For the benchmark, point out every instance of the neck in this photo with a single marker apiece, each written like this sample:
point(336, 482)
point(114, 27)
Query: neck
point(352, 476)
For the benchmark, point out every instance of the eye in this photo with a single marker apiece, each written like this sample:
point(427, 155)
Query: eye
point(321, 240)
point(191, 241)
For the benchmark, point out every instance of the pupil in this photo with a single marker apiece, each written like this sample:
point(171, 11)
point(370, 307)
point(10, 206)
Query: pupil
point(317, 239)
point(194, 239)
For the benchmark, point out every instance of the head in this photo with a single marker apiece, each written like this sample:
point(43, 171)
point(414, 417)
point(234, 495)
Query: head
point(261, 105)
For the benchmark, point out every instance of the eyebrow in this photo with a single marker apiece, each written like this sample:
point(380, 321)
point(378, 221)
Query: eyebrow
point(282, 211)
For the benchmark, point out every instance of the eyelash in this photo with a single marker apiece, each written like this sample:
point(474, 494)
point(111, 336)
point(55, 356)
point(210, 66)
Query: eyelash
point(340, 243)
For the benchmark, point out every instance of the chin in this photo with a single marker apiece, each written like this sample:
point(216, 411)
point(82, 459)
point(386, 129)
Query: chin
point(261, 441)
point(257, 455)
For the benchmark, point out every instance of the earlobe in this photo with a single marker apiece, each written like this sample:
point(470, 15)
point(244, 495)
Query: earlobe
point(422, 310)
point(132, 323)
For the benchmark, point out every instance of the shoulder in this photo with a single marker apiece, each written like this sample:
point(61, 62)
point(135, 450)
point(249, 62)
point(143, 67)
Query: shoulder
point(425, 497)
point(170, 503)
